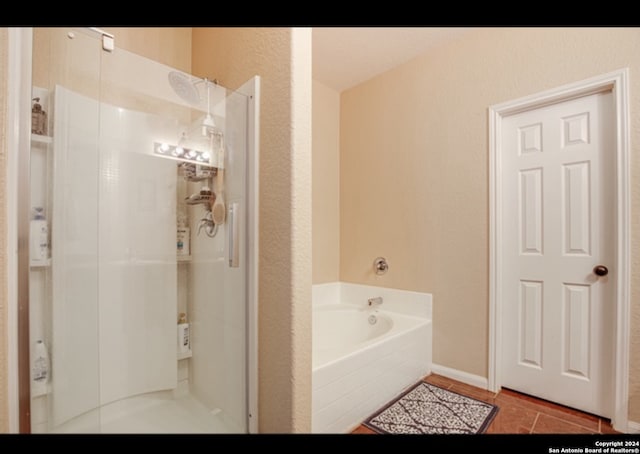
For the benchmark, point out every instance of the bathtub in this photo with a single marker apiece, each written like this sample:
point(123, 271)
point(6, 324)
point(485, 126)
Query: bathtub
point(363, 357)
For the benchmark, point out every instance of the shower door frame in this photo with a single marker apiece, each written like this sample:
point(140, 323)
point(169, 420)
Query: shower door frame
point(19, 88)
point(18, 192)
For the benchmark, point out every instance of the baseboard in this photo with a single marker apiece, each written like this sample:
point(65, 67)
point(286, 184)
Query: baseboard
point(464, 377)
point(633, 427)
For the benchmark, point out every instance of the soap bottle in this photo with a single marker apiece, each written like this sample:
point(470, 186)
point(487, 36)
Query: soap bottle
point(39, 236)
point(184, 340)
point(38, 118)
point(183, 234)
point(41, 368)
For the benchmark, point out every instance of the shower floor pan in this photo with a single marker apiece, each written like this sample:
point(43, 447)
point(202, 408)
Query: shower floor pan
point(152, 413)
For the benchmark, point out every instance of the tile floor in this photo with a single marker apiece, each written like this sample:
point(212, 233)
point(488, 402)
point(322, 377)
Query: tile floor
point(522, 414)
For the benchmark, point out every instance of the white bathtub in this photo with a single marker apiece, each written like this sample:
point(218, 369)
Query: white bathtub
point(359, 366)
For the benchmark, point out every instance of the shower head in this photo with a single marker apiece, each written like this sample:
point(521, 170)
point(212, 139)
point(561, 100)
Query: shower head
point(184, 87)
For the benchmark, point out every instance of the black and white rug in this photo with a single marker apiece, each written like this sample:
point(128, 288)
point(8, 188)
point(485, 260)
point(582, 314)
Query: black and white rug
point(429, 409)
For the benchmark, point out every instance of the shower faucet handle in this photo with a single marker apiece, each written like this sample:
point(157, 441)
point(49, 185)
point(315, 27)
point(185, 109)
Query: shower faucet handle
point(210, 227)
point(380, 265)
point(202, 223)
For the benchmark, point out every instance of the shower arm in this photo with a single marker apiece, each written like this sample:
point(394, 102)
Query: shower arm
point(206, 81)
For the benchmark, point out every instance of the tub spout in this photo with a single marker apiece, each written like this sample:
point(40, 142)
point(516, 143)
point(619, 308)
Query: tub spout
point(377, 301)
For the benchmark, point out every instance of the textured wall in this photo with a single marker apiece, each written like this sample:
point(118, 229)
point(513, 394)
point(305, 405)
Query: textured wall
point(414, 171)
point(282, 58)
point(326, 183)
point(4, 409)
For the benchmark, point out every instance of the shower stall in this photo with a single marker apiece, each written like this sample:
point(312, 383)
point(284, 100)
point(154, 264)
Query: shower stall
point(137, 258)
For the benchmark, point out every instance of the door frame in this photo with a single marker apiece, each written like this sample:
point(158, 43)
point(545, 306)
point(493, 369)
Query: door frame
point(618, 83)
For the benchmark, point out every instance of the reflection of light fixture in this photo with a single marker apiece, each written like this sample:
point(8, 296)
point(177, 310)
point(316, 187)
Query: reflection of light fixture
point(182, 153)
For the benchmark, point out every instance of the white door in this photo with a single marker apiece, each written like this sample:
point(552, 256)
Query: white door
point(558, 224)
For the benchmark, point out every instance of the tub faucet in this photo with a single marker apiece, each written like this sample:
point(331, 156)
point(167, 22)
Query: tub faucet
point(377, 301)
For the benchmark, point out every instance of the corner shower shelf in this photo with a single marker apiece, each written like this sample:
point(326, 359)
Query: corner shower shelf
point(40, 263)
point(41, 139)
point(185, 355)
point(40, 390)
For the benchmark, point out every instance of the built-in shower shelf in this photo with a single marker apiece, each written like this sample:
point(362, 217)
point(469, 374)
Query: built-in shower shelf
point(38, 390)
point(185, 355)
point(40, 263)
point(184, 258)
point(41, 139)
point(201, 178)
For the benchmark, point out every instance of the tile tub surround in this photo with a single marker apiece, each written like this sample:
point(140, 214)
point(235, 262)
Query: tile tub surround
point(400, 301)
point(349, 388)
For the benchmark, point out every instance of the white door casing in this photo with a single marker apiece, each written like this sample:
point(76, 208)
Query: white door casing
point(559, 206)
point(558, 225)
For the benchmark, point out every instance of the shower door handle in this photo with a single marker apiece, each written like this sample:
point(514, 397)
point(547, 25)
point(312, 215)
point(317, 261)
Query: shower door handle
point(234, 234)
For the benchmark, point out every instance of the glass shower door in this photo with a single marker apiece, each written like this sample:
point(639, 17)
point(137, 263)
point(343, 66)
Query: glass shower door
point(63, 281)
point(148, 273)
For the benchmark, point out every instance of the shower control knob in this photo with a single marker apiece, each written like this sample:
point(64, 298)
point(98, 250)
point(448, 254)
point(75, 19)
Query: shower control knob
point(601, 270)
point(380, 265)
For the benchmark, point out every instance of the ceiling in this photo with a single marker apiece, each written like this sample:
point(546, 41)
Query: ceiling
point(346, 56)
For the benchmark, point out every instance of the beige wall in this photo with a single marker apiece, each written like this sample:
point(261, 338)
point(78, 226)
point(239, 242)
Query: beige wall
point(414, 171)
point(4, 408)
point(326, 183)
point(168, 45)
point(282, 58)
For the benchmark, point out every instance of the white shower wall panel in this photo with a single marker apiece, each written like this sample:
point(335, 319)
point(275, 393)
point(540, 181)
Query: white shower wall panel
point(206, 309)
point(114, 263)
point(74, 343)
point(138, 271)
point(206, 372)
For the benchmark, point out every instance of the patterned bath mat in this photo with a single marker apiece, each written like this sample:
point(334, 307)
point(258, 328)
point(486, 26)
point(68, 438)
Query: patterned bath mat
point(429, 409)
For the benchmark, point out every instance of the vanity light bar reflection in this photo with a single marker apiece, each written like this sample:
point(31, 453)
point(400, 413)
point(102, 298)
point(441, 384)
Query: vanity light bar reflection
point(184, 154)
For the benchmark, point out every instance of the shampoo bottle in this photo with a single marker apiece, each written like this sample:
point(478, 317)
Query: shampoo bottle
point(182, 245)
point(39, 238)
point(183, 248)
point(41, 369)
point(184, 341)
point(38, 118)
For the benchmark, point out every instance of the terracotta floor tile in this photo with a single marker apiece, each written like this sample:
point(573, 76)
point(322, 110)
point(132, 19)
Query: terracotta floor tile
point(551, 405)
point(438, 380)
point(498, 430)
point(512, 419)
point(586, 420)
point(551, 425)
point(605, 428)
point(521, 414)
point(472, 391)
point(363, 430)
point(447, 380)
